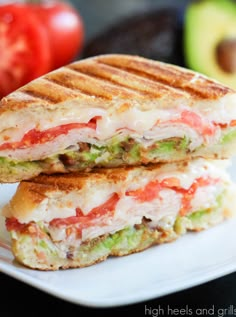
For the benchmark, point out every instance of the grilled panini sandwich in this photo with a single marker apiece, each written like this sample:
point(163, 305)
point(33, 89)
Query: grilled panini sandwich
point(112, 111)
point(76, 220)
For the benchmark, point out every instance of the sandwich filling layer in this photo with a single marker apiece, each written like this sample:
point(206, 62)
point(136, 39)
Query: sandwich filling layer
point(147, 129)
point(157, 146)
point(34, 247)
point(104, 203)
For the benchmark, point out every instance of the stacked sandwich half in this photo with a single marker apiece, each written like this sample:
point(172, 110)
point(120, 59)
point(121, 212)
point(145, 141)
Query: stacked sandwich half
point(114, 154)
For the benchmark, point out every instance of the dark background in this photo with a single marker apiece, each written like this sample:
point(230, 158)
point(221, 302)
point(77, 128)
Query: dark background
point(98, 15)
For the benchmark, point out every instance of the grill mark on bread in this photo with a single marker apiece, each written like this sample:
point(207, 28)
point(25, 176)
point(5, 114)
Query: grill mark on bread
point(77, 180)
point(121, 79)
point(90, 85)
point(47, 91)
point(69, 79)
point(67, 85)
point(184, 81)
point(113, 78)
point(41, 95)
point(201, 92)
point(105, 87)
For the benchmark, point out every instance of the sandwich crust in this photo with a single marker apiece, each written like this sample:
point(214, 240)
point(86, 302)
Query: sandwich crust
point(105, 78)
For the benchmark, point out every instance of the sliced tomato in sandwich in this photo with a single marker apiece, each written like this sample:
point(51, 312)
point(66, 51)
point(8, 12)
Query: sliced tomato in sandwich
point(34, 136)
point(105, 209)
point(152, 189)
point(83, 221)
point(193, 120)
point(148, 193)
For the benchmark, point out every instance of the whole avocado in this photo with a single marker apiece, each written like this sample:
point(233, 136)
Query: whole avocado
point(210, 39)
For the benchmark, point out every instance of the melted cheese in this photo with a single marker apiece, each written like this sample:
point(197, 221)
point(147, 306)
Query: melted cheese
point(13, 126)
point(132, 119)
point(144, 126)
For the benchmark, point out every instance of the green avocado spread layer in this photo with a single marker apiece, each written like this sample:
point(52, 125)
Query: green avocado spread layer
point(131, 239)
point(116, 153)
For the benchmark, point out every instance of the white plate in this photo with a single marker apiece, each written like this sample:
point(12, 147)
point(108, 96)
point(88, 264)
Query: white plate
point(191, 260)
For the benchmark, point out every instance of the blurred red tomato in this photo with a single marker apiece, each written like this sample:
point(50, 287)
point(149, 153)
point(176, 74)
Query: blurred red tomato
point(65, 30)
point(24, 47)
point(36, 38)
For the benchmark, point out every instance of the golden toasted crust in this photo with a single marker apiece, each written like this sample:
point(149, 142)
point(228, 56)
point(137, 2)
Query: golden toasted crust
point(172, 77)
point(25, 200)
point(75, 181)
point(31, 192)
point(108, 77)
point(70, 181)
